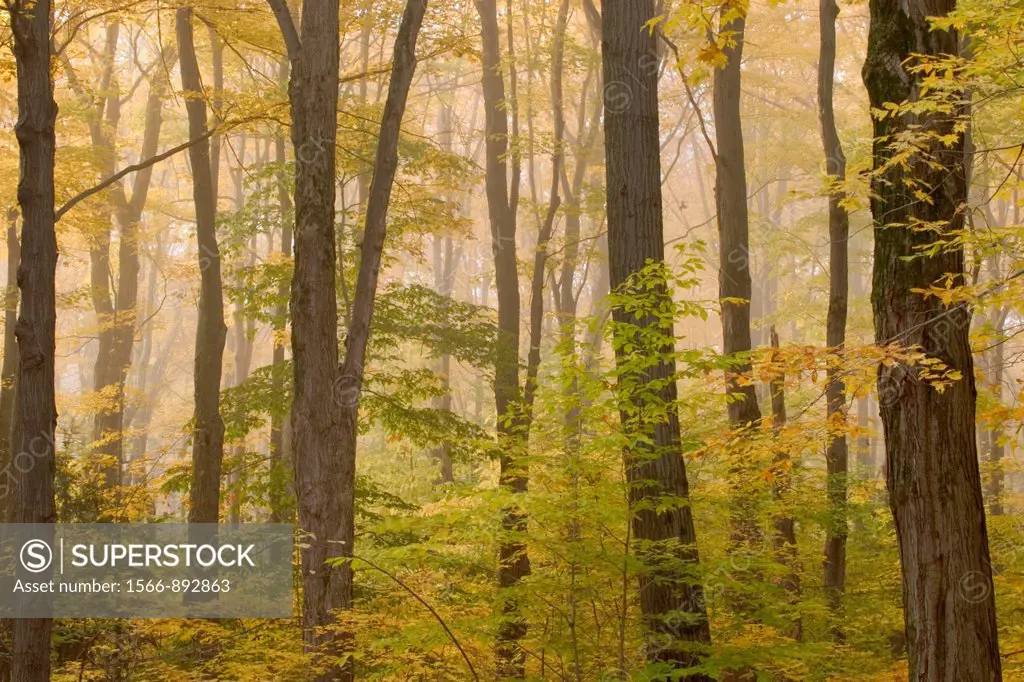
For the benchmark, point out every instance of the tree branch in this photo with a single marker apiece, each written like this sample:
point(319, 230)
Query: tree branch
point(421, 600)
point(287, 25)
point(141, 165)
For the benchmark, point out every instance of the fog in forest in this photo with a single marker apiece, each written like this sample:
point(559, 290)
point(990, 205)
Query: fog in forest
point(578, 340)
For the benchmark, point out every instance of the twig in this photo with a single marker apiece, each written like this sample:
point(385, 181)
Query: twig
point(430, 608)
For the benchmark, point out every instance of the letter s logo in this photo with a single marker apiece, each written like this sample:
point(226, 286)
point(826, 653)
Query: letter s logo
point(36, 556)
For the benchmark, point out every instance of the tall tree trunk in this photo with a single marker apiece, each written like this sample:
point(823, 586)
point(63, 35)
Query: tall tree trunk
point(385, 167)
point(785, 525)
point(326, 400)
point(514, 563)
point(932, 460)
point(110, 424)
point(445, 261)
point(735, 290)
point(864, 459)
point(324, 495)
point(540, 257)
point(734, 285)
point(996, 372)
point(208, 430)
point(279, 469)
point(673, 607)
point(103, 131)
point(9, 372)
point(837, 452)
point(35, 410)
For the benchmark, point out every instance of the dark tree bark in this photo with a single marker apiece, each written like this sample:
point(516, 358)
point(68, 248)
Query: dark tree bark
point(326, 401)
point(673, 607)
point(323, 488)
point(30, 484)
point(837, 452)
point(208, 430)
point(502, 200)
point(735, 295)
point(734, 284)
point(932, 460)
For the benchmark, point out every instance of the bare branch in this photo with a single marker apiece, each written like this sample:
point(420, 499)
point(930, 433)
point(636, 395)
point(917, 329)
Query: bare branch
point(141, 165)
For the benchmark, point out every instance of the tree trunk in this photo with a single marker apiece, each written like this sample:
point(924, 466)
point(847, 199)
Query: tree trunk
point(116, 316)
point(785, 527)
point(9, 372)
point(385, 167)
point(865, 461)
point(323, 491)
point(673, 607)
point(540, 257)
point(326, 398)
point(35, 410)
point(208, 430)
point(932, 460)
point(514, 563)
point(445, 261)
point(996, 372)
point(735, 294)
point(734, 285)
point(837, 453)
point(279, 469)
point(444, 271)
point(103, 131)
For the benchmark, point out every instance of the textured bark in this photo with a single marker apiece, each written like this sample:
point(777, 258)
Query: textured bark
point(326, 398)
point(30, 482)
point(513, 561)
point(932, 461)
point(208, 428)
point(323, 489)
point(837, 452)
point(673, 608)
point(734, 285)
